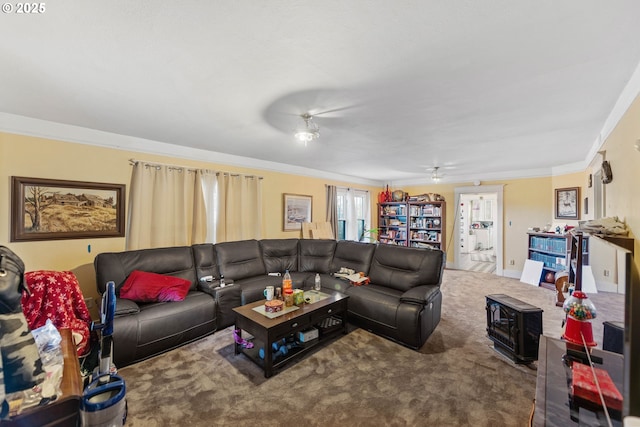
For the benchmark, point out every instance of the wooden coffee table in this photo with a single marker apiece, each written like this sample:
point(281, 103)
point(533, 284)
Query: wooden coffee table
point(331, 309)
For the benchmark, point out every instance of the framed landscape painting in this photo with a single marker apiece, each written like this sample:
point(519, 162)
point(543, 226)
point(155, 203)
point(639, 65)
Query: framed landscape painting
point(297, 209)
point(568, 203)
point(49, 209)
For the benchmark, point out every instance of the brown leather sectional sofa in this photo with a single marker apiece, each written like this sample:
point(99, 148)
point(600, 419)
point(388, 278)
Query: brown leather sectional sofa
point(402, 301)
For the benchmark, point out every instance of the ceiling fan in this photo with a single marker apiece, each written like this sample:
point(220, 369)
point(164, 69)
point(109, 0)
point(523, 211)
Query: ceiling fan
point(308, 130)
point(434, 175)
point(436, 171)
point(302, 114)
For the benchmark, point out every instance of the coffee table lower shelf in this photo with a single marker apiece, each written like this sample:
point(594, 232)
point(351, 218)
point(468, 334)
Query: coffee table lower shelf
point(267, 331)
point(295, 353)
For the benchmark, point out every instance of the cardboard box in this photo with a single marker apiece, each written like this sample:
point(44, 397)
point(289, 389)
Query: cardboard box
point(308, 335)
point(584, 386)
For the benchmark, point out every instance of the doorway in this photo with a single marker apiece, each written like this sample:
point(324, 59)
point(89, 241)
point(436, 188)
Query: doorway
point(477, 229)
point(599, 204)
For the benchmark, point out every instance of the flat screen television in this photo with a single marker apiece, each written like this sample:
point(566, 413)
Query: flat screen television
point(621, 261)
point(631, 393)
point(615, 255)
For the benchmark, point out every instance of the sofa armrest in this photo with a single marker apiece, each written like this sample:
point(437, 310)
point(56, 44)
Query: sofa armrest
point(420, 294)
point(227, 298)
point(212, 286)
point(126, 307)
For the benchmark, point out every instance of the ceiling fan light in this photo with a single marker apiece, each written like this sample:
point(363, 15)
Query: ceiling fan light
point(304, 135)
point(308, 131)
point(434, 176)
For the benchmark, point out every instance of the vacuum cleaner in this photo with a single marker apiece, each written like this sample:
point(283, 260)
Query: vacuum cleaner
point(103, 402)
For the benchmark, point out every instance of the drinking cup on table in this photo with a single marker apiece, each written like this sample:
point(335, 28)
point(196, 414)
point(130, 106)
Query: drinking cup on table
point(268, 293)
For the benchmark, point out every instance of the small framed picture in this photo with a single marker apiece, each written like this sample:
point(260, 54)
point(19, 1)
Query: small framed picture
point(297, 209)
point(567, 203)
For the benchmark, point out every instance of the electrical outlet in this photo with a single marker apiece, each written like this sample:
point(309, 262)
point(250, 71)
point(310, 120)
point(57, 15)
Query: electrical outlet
point(606, 273)
point(90, 302)
point(512, 262)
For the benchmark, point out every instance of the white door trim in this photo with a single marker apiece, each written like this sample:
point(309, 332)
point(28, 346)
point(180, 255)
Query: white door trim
point(499, 225)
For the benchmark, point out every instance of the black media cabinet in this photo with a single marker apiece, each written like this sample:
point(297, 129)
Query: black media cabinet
point(514, 327)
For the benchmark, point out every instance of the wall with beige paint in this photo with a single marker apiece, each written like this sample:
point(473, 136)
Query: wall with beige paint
point(622, 195)
point(43, 158)
point(527, 202)
point(569, 181)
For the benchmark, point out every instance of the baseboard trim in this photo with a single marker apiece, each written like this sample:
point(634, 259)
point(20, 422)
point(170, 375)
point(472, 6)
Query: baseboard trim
point(514, 274)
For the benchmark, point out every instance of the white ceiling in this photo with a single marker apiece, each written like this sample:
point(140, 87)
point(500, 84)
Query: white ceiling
point(482, 88)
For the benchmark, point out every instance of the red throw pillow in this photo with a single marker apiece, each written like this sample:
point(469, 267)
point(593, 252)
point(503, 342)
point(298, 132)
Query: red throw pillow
point(142, 286)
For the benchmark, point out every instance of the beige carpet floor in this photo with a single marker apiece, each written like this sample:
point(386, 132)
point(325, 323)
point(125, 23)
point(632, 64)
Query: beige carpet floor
point(360, 379)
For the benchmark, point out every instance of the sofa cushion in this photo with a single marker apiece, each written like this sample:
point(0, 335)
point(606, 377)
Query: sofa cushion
point(329, 283)
point(403, 268)
point(378, 304)
point(157, 321)
point(280, 255)
point(206, 260)
point(316, 255)
point(354, 255)
point(125, 307)
point(143, 286)
point(174, 261)
point(241, 259)
point(161, 326)
point(253, 287)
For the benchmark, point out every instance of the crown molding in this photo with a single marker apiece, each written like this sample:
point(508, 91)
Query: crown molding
point(626, 98)
point(29, 126)
point(466, 178)
point(23, 125)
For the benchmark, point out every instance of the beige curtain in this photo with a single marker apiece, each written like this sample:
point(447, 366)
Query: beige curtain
point(332, 208)
point(166, 207)
point(173, 206)
point(238, 211)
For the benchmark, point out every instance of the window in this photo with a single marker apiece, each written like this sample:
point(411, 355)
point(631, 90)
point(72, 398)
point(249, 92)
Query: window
point(354, 213)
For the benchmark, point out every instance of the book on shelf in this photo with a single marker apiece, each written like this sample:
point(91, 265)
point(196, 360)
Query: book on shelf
point(424, 245)
point(426, 210)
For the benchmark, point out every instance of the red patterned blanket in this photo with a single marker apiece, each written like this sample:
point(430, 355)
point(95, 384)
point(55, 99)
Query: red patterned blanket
point(56, 295)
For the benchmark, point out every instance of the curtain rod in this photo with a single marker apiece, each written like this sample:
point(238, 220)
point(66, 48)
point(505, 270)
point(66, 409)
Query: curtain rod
point(170, 166)
point(349, 188)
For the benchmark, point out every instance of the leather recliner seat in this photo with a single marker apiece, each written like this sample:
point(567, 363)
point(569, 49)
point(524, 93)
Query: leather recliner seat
point(142, 330)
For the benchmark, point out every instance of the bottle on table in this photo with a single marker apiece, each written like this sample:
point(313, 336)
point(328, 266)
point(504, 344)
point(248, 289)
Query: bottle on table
point(317, 285)
point(286, 282)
